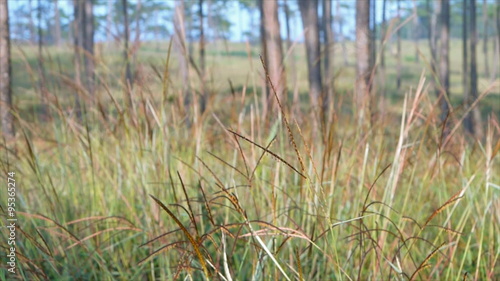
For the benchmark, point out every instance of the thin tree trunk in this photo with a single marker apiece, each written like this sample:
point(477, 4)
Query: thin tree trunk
point(202, 37)
point(88, 44)
point(57, 24)
point(328, 37)
point(383, 42)
point(203, 100)
point(126, 56)
point(31, 23)
point(138, 23)
point(382, 37)
point(41, 69)
point(39, 25)
point(398, 34)
point(341, 34)
point(362, 57)
point(289, 41)
point(274, 51)
point(373, 33)
point(109, 21)
point(465, 59)
point(126, 35)
point(265, 86)
point(209, 32)
point(179, 43)
point(293, 64)
point(156, 30)
point(7, 118)
point(309, 14)
point(189, 34)
point(433, 31)
point(77, 42)
point(136, 45)
point(433, 43)
point(473, 123)
point(497, 43)
point(485, 39)
point(444, 65)
point(415, 30)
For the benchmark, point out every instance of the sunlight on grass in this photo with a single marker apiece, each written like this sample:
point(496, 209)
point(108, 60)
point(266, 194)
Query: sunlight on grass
point(160, 193)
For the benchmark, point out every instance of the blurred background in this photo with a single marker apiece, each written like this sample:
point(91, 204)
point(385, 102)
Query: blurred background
point(454, 43)
point(254, 140)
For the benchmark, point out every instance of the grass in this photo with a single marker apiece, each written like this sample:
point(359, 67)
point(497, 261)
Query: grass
point(234, 195)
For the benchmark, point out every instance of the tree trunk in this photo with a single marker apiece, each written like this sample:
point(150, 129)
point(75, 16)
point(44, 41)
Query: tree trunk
point(485, 39)
point(497, 43)
point(265, 87)
point(138, 23)
point(341, 34)
point(328, 37)
point(7, 118)
point(444, 64)
point(362, 57)
point(373, 34)
point(473, 120)
point(309, 14)
point(433, 32)
point(433, 42)
point(88, 44)
point(39, 25)
point(83, 26)
point(126, 35)
point(30, 23)
point(41, 68)
point(465, 59)
point(382, 36)
point(398, 35)
point(203, 99)
point(274, 51)
point(57, 24)
point(179, 44)
point(77, 42)
point(289, 41)
point(109, 21)
point(415, 30)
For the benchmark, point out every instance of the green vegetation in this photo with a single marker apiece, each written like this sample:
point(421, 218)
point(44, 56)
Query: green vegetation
point(148, 193)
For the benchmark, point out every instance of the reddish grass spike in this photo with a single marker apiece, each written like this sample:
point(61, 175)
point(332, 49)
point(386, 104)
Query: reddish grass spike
point(230, 196)
point(193, 242)
point(425, 264)
point(290, 135)
point(452, 199)
point(299, 265)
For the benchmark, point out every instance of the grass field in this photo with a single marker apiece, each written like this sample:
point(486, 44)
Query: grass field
point(155, 192)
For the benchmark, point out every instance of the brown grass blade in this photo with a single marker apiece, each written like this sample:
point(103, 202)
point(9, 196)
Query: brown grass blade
point(188, 235)
point(270, 152)
point(190, 213)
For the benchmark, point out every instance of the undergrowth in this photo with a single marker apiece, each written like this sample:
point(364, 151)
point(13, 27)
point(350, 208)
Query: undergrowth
point(158, 191)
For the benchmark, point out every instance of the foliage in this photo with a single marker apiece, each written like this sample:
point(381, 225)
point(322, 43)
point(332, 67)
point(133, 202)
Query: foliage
point(234, 195)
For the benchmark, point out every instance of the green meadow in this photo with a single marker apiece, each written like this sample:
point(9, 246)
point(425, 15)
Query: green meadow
point(157, 191)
